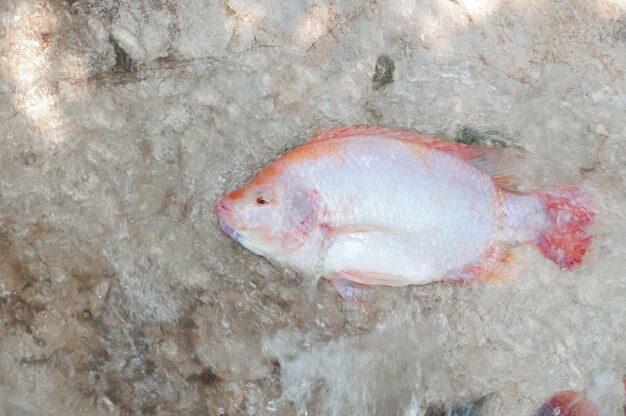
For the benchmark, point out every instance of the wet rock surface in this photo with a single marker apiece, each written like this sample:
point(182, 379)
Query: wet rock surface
point(122, 122)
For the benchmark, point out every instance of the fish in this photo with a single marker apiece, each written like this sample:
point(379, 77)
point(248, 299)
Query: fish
point(567, 403)
point(365, 206)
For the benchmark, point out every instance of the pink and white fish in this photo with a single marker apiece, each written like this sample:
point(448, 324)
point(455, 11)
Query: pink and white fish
point(371, 206)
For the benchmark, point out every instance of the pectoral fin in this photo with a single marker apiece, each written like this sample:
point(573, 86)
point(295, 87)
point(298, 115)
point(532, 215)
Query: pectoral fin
point(352, 292)
point(372, 279)
point(497, 265)
point(376, 256)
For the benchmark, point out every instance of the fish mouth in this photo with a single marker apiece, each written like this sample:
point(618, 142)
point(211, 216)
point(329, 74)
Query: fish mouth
point(232, 233)
point(227, 217)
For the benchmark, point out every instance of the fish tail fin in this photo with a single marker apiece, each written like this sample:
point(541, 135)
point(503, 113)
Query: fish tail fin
point(565, 238)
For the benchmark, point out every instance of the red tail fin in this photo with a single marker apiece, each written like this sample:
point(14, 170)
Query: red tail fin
point(566, 238)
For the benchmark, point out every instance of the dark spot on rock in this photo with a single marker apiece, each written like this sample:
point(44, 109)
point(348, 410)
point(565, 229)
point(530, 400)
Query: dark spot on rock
point(229, 10)
point(150, 366)
point(207, 376)
point(123, 61)
point(184, 214)
point(87, 314)
point(18, 312)
point(383, 72)
point(276, 371)
point(472, 137)
point(618, 30)
point(373, 110)
point(149, 408)
point(473, 408)
point(283, 304)
point(468, 135)
point(188, 323)
point(45, 37)
point(34, 360)
point(29, 158)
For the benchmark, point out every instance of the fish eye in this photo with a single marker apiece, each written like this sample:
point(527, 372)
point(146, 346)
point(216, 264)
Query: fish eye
point(261, 200)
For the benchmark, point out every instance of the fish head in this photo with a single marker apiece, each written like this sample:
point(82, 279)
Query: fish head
point(268, 218)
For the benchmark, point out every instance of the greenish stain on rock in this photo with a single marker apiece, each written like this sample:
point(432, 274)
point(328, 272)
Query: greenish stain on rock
point(383, 72)
point(473, 408)
point(473, 137)
point(123, 61)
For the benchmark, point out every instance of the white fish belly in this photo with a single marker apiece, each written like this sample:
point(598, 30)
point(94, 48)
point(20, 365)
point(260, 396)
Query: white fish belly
point(385, 254)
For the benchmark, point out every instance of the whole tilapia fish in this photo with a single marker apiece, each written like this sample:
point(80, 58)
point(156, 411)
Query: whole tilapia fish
point(372, 206)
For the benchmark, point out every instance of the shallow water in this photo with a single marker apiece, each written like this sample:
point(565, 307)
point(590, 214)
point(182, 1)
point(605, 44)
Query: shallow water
point(123, 121)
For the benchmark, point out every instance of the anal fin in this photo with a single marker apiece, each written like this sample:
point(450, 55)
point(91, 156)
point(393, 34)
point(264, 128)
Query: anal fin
point(352, 292)
point(497, 265)
point(372, 278)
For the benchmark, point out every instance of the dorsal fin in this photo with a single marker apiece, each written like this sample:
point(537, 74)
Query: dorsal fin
point(499, 163)
point(361, 131)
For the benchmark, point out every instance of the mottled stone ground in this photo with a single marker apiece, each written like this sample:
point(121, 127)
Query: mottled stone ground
point(123, 121)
